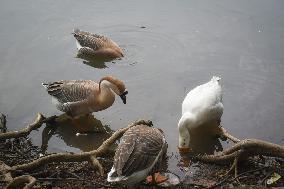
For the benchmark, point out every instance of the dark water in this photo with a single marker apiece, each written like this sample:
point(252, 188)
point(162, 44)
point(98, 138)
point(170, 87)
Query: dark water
point(182, 44)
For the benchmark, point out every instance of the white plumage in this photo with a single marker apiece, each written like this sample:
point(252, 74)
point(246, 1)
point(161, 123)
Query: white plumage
point(202, 107)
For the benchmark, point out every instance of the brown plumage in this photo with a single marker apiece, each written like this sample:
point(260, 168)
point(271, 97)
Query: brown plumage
point(76, 97)
point(140, 149)
point(96, 46)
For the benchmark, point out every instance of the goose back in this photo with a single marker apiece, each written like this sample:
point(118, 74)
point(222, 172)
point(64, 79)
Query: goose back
point(140, 149)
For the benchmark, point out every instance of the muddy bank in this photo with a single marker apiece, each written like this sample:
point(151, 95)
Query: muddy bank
point(252, 174)
point(16, 150)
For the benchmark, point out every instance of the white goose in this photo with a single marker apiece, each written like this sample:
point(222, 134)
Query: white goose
point(202, 107)
point(138, 154)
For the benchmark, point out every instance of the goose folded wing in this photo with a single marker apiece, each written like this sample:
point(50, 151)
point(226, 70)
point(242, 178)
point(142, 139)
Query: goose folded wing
point(141, 154)
point(92, 41)
point(70, 91)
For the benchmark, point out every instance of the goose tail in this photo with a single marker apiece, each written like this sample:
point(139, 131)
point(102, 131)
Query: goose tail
point(216, 78)
point(75, 31)
point(112, 176)
point(76, 34)
point(45, 85)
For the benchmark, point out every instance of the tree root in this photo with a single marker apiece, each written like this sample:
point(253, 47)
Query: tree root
point(79, 157)
point(242, 150)
point(250, 147)
point(239, 151)
point(40, 119)
point(17, 181)
point(90, 156)
point(3, 127)
point(224, 133)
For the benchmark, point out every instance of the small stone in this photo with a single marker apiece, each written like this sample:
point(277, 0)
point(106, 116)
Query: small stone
point(173, 180)
point(230, 186)
point(46, 183)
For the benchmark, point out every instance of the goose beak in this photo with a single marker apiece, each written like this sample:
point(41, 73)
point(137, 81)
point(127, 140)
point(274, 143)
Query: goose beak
point(123, 96)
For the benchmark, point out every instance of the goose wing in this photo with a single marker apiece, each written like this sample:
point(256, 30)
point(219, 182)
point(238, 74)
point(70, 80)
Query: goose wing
point(93, 41)
point(138, 150)
point(71, 91)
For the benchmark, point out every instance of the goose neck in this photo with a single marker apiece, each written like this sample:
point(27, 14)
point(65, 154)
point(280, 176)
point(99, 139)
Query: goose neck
point(106, 86)
point(183, 127)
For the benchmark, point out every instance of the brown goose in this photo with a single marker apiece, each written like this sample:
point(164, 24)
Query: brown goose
point(78, 97)
point(96, 46)
point(140, 150)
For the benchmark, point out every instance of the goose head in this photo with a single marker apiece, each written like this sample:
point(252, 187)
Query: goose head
point(116, 85)
point(185, 122)
point(118, 51)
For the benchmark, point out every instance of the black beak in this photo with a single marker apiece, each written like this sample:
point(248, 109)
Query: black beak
point(123, 97)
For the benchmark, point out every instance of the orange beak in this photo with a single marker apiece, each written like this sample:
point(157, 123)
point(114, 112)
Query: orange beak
point(184, 150)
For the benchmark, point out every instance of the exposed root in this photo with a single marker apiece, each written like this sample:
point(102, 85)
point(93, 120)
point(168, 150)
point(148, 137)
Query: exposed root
point(3, 127)
point(96, 164)
point(79, 157)
point(18, 181)
point(248, 147)
point(6, 177)
point(224, 133)
point(102, 151)
point(40, 119)
point(242, 150)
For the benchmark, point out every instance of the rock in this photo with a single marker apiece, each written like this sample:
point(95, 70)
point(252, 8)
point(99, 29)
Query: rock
point(173, 180)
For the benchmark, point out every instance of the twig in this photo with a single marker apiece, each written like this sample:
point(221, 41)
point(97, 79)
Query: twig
point(59, 178)
point(220, 183)
point(72, 174)
point(84, 180)
point(231, 180)
point(251, 171)
point(266, 177)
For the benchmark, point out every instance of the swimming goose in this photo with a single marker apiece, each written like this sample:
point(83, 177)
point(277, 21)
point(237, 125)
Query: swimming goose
point(96, 46)
point(139, 152)
point(78, 97)
point(201, 108)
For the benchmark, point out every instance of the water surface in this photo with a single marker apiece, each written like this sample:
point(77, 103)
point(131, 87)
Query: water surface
point(170, 47)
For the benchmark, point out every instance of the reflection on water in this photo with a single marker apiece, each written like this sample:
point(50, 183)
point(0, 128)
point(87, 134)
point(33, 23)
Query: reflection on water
point(92, 132)
point(96, 64)
point(183, 45)
point(204, 139)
